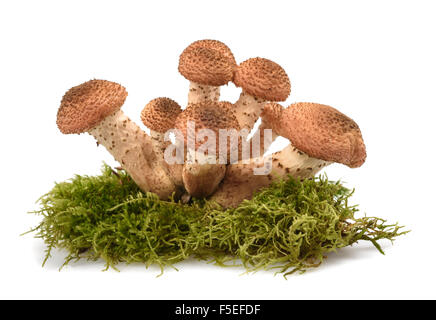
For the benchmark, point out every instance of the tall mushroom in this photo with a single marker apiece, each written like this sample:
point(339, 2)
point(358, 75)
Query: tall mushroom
point(319, 135)
point(160, 115)
point(203, 171)
point(207, 64)
point(261, 80)
point(94, 107)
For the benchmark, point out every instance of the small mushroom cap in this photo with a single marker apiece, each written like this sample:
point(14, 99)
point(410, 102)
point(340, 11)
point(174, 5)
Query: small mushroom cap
point(215, 45)
point(211, 115)
point(84, 106)
point(207, 62)
point(263, 78)
point(160, 114)
point(323, 133)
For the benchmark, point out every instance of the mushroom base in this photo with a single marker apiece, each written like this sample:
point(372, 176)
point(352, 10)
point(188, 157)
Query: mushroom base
point(134, 150)
point(201, 176)
point(244, 178)
point(199, 92)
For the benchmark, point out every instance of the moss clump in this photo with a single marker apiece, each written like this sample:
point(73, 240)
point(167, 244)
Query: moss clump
point(291, 225)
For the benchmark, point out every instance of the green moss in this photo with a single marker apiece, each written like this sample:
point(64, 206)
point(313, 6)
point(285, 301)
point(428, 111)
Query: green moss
point(290, 226)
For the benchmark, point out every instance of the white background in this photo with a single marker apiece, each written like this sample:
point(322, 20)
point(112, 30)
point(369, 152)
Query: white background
point(373, 60)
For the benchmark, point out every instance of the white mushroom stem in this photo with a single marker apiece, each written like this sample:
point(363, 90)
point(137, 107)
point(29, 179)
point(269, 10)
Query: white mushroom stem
point(158, 141)
point(199, 92)
point(201, 176)
point(174, 170)
point(242, 180)
point(248, 109)
point(175, 155)
point(133, 149)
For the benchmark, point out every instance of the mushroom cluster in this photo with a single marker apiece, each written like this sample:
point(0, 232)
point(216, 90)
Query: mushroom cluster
point(211, 155)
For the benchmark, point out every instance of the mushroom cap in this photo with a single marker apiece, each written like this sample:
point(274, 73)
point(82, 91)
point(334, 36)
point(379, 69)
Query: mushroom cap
point(323, 133)
point(207, 62)
point(160, 114)
point(84, 106)
point(263, 78)
point(215, 45)
point(271, 115)
point(211, 115)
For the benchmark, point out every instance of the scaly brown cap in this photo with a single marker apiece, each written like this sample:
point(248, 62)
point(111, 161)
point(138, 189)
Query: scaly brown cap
point(207, 62)
point(323, 133)
point(85, 106)
point(160, 114)
point(263, 78)
point(211, 115)
point(215, 45)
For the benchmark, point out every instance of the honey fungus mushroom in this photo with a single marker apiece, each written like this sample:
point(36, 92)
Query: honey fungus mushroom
point(207, 64)
point(94, 107)
point(160, 115)
point(318, 134)
point(203, 171)
point(261, 80)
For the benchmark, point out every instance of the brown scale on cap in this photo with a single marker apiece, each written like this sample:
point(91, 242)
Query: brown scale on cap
point(206, 66)
point(86, 105)
point(160, 114)
point(207, 115)
point(263, 78)
point(323, 132)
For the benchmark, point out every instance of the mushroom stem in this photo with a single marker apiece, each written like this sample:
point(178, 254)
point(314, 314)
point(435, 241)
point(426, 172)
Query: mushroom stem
point(241, 181)
point(248, 109)
point(199, 93)
point(133, 149)
point(159, 116)
point(175, 169)
point(158, 141)
point(201, 177)
point(176, 173)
